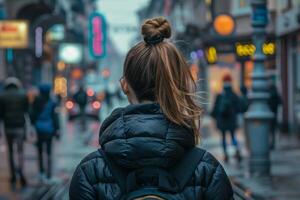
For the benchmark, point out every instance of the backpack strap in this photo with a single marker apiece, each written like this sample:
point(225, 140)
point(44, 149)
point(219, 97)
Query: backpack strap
point(118, 173)
point(187, 166)
point(181, 172)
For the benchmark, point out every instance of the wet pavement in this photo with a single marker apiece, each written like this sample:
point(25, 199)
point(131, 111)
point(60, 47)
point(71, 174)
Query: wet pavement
point(284, 182)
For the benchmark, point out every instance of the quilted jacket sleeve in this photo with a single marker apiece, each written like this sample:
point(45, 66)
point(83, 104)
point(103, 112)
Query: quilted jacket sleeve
point(219, 187)
point(80, 188)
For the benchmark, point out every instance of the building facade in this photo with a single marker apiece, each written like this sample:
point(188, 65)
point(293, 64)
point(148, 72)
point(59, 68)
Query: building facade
point(288, 61)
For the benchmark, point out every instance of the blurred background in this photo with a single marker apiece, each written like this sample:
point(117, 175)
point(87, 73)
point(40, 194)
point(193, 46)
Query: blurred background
point(78, 47)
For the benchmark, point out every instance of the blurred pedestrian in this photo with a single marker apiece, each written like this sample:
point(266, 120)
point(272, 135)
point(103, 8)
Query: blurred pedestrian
point(244, 101)
point(148, 149)
point(274, 101)
point(81, 98)
point(244, 105)
point(225, 112)
point(44, 117)
point(108, 98)
point(13, 108)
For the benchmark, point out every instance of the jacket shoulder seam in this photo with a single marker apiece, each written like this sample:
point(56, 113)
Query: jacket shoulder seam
point(90, 159)
point(208, 162)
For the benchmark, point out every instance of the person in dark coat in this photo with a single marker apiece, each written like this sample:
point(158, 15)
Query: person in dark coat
point(244, 106)
point(274, 101)
point(225, 112)
point(81, 99)
point(153, 133)
point(44, 112)
point(13, 108)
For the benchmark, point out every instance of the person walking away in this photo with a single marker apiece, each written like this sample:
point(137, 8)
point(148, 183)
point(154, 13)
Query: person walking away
point(244, 105)
point(274, 101)
point(81, 99)
point(225, 112)
point(148, 148)
point(45, 120)
point(244, 102)
point(13, 108)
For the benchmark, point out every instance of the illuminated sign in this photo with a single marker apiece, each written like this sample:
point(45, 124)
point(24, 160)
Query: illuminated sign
point(269, 48)
point(56, 33)
point(224, 25)
point(246, 50)
point(13, 34)
point(70, 53)
point(38, 41)
point(97, 35)
point(60, 86)
point(211, 55)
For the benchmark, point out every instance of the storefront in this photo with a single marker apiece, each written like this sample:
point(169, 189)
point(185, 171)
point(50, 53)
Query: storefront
point(290, 80)
point(245, 50)
point(221, 60)
point(288, 34)
point(235, 58)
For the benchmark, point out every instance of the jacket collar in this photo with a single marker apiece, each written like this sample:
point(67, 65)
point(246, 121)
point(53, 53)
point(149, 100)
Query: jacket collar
point(140, 135)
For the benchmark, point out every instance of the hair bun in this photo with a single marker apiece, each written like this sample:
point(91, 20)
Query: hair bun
point(155, 30)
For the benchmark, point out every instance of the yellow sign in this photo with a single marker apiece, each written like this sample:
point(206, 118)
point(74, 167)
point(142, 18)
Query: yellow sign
point(245, 49)
point(13, 34)
point(60, 86)
point(249, 49)
point(224, 25)
point(211, 54)
point(269, 48)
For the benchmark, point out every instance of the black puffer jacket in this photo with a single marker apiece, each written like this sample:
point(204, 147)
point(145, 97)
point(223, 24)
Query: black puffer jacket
point(227, 122)
point(13, 107)
point(138, 136)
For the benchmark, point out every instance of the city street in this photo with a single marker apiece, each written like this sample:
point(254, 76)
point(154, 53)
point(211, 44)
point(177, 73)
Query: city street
point(75, 144)
point(284, 181)
point(224, 75)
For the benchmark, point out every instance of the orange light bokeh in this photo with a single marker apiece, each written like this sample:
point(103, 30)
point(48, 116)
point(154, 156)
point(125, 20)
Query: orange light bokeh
point(77, 74)
point(194, 71)
point(61, 66)
point(224, 25)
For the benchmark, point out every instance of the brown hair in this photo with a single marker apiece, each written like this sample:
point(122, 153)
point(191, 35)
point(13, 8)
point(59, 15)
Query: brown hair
point(157, 71)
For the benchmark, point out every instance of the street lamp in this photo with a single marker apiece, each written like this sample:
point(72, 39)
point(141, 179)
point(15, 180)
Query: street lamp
point(259, 115)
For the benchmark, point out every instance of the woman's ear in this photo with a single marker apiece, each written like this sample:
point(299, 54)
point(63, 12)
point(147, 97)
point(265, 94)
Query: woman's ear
point(124, 86)
point(128, 91)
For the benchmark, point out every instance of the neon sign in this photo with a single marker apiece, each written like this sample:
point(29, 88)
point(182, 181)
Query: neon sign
point(39, 42)
point(245, 50)
point(14, 34)
point(211, 55)
point(97, 35)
